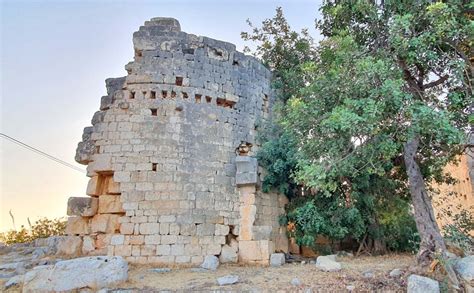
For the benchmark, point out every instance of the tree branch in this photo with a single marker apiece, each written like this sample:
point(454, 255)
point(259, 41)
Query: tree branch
point(436, 82)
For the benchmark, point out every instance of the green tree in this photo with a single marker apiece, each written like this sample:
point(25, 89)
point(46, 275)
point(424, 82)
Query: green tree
point(388, 94)
point(407, 90)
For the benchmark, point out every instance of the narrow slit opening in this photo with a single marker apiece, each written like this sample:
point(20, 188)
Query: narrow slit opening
point(198, 98)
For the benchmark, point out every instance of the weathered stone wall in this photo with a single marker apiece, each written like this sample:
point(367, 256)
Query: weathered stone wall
point(161, 154)
point(458, 196)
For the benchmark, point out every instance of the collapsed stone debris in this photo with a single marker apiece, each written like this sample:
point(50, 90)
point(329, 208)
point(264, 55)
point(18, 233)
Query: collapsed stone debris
point(166, 182)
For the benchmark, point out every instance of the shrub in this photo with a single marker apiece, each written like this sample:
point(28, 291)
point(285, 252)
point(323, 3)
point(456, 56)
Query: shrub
point(42, 228)
point(458, 232)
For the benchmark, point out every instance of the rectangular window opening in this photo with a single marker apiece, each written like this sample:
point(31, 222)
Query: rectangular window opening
point(154, 112)
point(198, 98)
point(179, 81)
point(229, 104)
point(208, 99)
point(152, 95)
point(131, 95)
point(153, 166)
point(220, 102)
point(185, 95)
point(144, 94)
point(164, 94)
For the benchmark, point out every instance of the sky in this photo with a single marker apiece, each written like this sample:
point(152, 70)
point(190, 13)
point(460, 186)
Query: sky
point(54, 58)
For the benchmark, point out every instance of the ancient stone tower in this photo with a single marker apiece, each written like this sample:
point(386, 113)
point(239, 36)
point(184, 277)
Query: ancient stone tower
point(170, 156)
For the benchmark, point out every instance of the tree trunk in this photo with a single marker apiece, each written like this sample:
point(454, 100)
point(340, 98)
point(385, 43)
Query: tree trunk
point(432, 243)
point(431, 239)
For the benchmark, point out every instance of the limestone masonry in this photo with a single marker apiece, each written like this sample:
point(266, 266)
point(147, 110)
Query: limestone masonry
point(171, 156)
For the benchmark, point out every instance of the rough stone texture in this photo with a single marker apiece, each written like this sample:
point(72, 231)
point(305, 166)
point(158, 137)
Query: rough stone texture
point(69, 246)
point(228, 254)
point(211, 262)
point(465, 269)
point(419, 284)
point(171, 154)
point(227, 280)
point(395, 273)
point(277, 259)
point(327, 264)
point(82, 206)
point(246, 170)
point(86, 272)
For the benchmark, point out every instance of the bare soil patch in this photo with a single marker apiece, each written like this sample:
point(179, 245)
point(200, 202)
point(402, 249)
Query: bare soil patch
point(278, 279)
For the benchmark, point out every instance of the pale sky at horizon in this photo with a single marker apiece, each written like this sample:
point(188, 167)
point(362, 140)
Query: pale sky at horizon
point(55, 56)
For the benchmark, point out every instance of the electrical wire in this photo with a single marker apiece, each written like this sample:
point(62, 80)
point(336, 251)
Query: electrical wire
point(37, 151)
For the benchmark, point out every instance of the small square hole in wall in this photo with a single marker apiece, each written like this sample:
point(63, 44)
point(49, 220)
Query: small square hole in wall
point(173, 94)
point(152, 95)
point(153, 166)
point(185, 95)
point(198, 98)
point(154, 112)
point(208, 99)
point(164, 94)
point(179, 81)
point(131, 95)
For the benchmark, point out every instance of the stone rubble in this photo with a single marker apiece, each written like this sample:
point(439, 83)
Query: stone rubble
point(277, 259)
point(464, 267)
point(328, 263)
point(211, 262)
point(395, 273)
point(87, 272)
point(227, 280)
point(420, 284)
point(295, 282)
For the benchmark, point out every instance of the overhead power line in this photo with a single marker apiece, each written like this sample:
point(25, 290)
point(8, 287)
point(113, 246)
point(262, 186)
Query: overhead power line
point(37, 151)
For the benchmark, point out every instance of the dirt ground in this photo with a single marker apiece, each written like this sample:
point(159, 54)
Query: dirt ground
point(278, 279)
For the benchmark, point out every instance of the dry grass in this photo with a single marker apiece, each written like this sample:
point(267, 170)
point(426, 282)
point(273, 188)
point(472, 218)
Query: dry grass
point(279, 279)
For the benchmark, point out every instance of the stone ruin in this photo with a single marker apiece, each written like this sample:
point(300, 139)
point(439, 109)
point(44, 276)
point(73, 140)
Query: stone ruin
point(170, 156)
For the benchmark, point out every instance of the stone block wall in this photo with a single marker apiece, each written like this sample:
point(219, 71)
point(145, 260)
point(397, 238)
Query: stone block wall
point(169, 182)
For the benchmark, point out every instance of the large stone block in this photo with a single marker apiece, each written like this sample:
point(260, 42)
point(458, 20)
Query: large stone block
point(101, 163)
point(69, 246)
point(105, 223)
point(250, 251)
point(246, 170)
point(76, 274)
point(110, 204)
point(112, 186)
point(92, 186)
point(77, 226)
point(261, 232)
point(82, 206)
